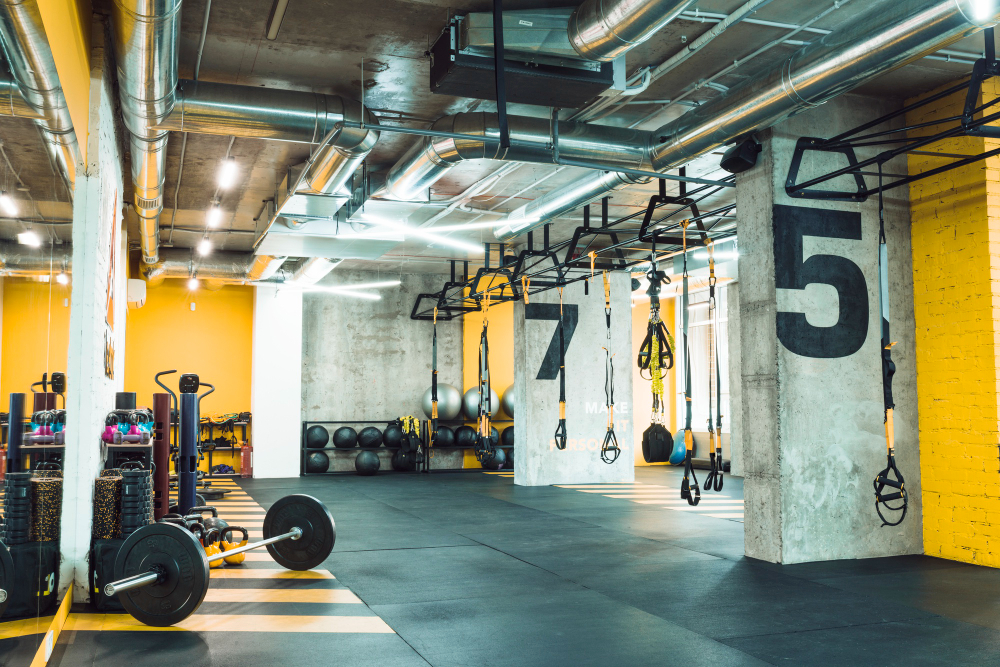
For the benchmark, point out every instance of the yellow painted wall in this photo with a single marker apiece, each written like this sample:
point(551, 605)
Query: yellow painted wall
point(955, 221)
point(213, 341)
point(642, 397)
point(500, 334)
point(32, 344)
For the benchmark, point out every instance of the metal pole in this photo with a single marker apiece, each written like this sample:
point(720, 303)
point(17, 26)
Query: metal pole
point(498, 73)
point(129, 583)
point(293, 534)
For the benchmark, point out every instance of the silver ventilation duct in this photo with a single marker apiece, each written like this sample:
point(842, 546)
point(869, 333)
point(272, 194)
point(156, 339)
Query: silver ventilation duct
point(21, 261)
point(30, 59)
point(865, 47)
point(12, 103)
point(144, 35)
point(284, 115)
point(605, 29)
point(427, 160)
point(220, 266)
point(313, 270)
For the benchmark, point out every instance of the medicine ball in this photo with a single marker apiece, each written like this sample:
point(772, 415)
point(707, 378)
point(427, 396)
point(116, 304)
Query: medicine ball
point(404, 460)
point(317, 462)
point(495, 435)
point(449, 402)
point(680, 448)
point(465, 436)
point(507, 402)
point(507, 437)
point(392, 436)
point(509, 463)
point(496, 461)
point(345, 437)
point(445, 437)
point(370, 437)
point(471, 402)
point(317, 437)
point(367, 463)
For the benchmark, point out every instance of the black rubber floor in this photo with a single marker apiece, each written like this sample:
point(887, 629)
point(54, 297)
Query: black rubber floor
point(468, 569)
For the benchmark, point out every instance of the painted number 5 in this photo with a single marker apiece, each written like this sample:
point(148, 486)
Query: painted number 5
point(791, 225)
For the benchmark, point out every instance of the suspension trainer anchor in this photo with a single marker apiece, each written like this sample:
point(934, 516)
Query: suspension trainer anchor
point(560, 434)
point(689, 485)
point(610, 449)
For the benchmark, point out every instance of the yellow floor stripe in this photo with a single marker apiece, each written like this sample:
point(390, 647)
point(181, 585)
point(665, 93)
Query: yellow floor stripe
point(25, 627)
point(701, 508)
point(258, 556)
point(676, 500)
point(665, 495)
point(232, 623)
point(311, 595)
point(44, 651)
point(268, 573)
point(606, 486)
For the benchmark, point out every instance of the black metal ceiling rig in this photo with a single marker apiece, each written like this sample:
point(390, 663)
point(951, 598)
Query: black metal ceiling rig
point(964, 125)
point(544, 269)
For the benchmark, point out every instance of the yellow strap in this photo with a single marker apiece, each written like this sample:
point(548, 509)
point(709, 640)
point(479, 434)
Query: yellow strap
point(525, 282)
point(486, 309)
point(684, 237)
point(560, 301)
point(435, 315)
point(593, 256)
point(607, 291)
point(890, 432)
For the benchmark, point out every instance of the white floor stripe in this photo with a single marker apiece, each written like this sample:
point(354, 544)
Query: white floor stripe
point(727, 515)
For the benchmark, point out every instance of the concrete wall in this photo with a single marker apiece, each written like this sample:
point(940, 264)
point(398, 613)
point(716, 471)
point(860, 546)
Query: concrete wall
point(735, 385)
point(812, 427)
point(276, 382)
point(368, 359)
point(536, 405)
point(98, 267)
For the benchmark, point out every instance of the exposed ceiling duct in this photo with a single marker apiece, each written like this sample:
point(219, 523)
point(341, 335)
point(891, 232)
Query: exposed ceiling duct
point(12, 103)
point(870, 44)
point(26, 48)
point(313, 270)
point(605, 29)
point(145, 35)
point(220, 266)
point(21, 261)
point(428, 160)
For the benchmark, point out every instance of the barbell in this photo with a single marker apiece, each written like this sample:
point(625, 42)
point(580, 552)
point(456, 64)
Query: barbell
point(162, 570)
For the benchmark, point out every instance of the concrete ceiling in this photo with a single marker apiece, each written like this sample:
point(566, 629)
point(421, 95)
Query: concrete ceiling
point(351, 49)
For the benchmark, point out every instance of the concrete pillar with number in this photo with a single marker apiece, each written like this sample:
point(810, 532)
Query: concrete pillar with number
point(537, 460)
point(812, 408)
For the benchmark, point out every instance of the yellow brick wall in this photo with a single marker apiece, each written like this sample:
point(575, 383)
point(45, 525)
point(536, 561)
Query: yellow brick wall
point(955, 238)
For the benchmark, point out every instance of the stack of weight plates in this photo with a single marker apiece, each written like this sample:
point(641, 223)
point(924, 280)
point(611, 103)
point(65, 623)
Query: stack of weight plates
point(137, 504)
point(17, 508)
point(107, 505)
point(46, 498)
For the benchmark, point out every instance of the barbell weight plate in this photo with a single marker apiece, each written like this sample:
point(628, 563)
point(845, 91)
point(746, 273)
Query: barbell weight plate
point(6, 576)
point(319, 533)
point(180, 556)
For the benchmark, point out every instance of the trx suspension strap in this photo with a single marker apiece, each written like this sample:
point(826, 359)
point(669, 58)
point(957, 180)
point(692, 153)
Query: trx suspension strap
point(690, 482)
point(655, 358)
point(434, 380)
point(882, 480)
point(560, 434)
point(610, 449)
point(485, 447)
point(714, 480)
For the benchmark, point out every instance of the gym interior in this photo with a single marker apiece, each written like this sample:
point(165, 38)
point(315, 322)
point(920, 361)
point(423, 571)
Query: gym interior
point(499, 332)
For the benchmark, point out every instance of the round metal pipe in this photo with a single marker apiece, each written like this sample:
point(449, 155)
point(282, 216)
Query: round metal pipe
point(605, 29)
point(294, 534)
point(138, 581)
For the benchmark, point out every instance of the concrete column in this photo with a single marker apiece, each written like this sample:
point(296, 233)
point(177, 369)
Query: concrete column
point(735, 386)
point(536, 385)
point(98, 285)
point(276, 381)
point(810, 342)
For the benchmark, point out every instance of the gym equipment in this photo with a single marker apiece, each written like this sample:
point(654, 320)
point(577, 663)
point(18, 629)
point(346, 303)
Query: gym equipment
point(509, 463)
point(317, 437)
point(212, 547)
point(610, 449)
point(507, 401)
point(485, 443)
point(392, 436)
point(46, 502)
point(317, 462)
point(17, 508)
point(445, 437)
point(345, 437)
point(507, 437)
point(713, 482)
point(15, 432)
point(213, 522)
point(496, 461)
point(6, 576)
point(434, 381)
point(228, 544)
point(370, 437)
point(689, 485)
point(655, 358)
point(560, 434)
point(679, 449)
point(189, 419)
point(449, 402)
point(399, 460)
point(367, 462)
point(465, 436)
point(471, 402)
point(161, 572)
point(161, 454)
point(890, 476)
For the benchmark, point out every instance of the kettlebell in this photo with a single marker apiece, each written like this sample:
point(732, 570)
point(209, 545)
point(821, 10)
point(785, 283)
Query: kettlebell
point(211, 522)
point(211, 548)
point(227, 544)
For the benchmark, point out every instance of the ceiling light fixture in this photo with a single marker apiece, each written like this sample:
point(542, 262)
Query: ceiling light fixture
point(356, 286)
point(423, 234)
point(29, 238)
point(279, 13)
point(214, 216)
point(981, 9)
point(62, 278)
point(8, 204)
point(204, 247)
point(228, 171)
point(193, 284)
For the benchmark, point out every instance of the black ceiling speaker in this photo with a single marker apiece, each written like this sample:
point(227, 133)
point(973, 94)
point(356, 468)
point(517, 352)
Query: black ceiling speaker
point(740, 157)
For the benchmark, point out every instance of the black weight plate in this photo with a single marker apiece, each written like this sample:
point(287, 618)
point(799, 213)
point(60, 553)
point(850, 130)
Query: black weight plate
point(6, 577)
point(185, 582)
point(319, 532)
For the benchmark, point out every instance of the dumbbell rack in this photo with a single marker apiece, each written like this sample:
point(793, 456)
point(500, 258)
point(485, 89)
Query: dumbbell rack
point(453, 424)
point(232, 448)
point(378, 423)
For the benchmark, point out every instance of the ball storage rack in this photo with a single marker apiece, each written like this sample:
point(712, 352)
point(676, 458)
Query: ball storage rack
point(454, 424)
point(352, 452)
